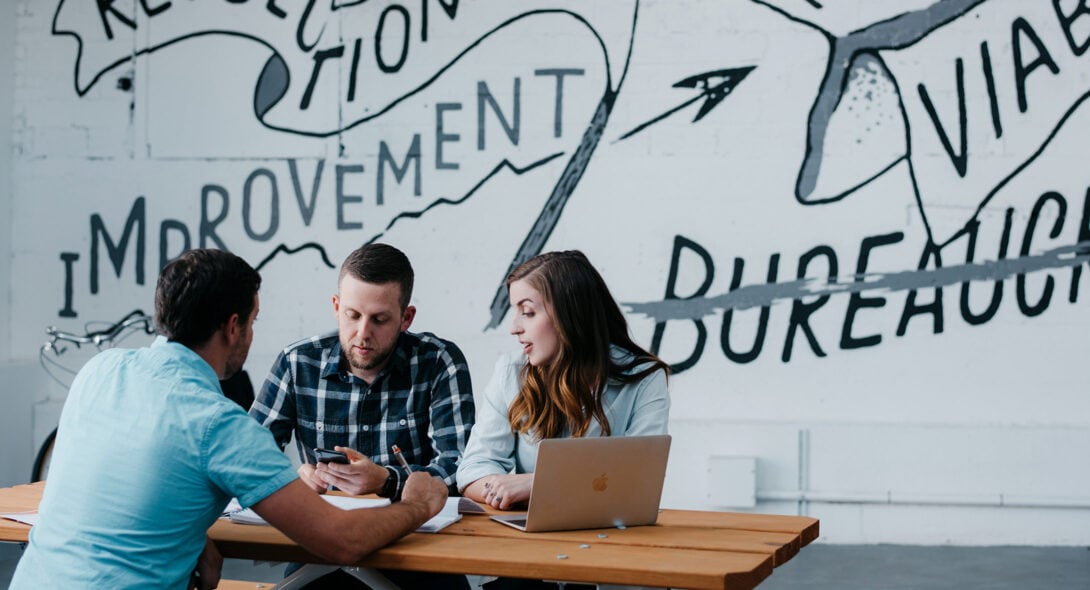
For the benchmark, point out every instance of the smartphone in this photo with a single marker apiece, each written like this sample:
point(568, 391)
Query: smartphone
point(330, 456)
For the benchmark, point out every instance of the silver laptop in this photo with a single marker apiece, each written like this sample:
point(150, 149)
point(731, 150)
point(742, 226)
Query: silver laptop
point(590, 483)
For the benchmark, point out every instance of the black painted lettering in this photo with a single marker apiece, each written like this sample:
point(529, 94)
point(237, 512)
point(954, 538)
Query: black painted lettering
point(681, 244)
point(912, 309)
point(274, 205)
point(451, 8)
point(1082, 250)
point(343, 199)
point(301, 27)
point(137, 221)
point(68, 258)
point(381, 30)
point(353, 73)
point(107, 7)
point(993, 98)
point(967, 314)
point(801, 311)
point(386, 159)
point(1021, 28)
point(558, 109)
point(442, 137)
point(306, 209)
point(150, 11)
point(857, 301)
point(512, 130)
point(1078, 10)
point(319, 59)
point(208, 226)
point(960, 159)
point(762, 323)
point(275, 10)
point(165, 229)
point(1027, 240)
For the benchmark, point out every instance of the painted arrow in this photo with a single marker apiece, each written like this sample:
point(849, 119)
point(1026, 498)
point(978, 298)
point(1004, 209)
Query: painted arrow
point(714, 86)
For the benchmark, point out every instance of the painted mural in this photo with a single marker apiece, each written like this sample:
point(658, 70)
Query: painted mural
point(802, 205)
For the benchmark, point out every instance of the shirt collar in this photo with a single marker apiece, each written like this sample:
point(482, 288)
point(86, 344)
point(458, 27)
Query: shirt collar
point(188, 355)
point(399, 360)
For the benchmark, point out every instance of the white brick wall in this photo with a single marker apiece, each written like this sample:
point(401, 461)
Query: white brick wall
point(7, 68)
point(948, 425)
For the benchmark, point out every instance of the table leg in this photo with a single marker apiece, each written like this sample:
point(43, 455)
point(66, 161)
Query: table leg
point(304, 575)
point(312, 571)
point(371, 577)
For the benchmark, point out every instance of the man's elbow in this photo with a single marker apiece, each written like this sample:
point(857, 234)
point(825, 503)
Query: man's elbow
point(345, 552)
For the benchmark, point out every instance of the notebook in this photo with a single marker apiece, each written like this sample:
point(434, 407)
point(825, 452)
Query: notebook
point(451, 513)
point(590, 483)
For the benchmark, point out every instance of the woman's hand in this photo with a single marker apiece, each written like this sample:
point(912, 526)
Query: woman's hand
point(501, 491)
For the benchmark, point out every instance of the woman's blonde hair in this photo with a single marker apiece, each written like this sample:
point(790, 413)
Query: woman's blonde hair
point(564, 395)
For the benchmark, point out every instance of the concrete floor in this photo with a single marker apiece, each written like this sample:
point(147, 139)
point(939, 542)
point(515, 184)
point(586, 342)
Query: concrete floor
point(900, 567)
point(848, 567)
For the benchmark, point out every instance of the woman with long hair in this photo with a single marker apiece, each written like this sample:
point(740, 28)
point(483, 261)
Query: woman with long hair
point(580, 374)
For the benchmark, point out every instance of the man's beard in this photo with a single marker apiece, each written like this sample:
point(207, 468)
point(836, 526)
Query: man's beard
point(359, 364)
point(236, 359)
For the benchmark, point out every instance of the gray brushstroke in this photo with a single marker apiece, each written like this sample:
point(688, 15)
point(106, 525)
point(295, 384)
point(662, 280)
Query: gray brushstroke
point(751, 296)
point(272, 85)
point(550, 214)
point(895, 33)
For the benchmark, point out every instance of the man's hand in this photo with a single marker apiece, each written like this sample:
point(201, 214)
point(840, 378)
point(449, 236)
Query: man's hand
point(206, 576)
point(310, 477)
point(360, 476)
point(426, 489)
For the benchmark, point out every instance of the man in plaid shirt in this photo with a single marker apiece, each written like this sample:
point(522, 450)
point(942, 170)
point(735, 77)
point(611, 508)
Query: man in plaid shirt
point(371, 385)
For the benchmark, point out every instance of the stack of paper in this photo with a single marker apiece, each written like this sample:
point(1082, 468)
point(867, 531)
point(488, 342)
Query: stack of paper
point(450, 514)
point(446, 517)
point(30, 518)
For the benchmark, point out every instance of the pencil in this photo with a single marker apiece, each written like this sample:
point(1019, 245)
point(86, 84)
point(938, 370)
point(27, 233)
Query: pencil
point(401, 458)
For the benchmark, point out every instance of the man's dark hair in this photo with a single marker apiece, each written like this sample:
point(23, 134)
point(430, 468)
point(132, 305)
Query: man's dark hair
point(199, 291)
point(378, 264)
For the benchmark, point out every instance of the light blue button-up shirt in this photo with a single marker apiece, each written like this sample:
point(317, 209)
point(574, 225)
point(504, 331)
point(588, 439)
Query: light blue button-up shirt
point(633, 409)
point(148, 453)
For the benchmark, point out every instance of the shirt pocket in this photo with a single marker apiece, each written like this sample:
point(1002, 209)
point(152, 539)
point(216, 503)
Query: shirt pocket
point(409, 430)
point(330, 427)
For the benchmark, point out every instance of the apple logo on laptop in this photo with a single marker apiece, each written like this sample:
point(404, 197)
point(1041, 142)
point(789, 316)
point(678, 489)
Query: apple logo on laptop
point(599, 484)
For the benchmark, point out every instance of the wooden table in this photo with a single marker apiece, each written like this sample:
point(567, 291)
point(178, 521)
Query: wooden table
point(686, 549)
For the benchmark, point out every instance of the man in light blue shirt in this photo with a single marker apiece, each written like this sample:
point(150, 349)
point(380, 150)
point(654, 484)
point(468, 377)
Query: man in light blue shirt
point(149, 451)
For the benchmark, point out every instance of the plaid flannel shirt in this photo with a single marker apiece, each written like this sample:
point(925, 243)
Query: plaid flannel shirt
point(421, 401)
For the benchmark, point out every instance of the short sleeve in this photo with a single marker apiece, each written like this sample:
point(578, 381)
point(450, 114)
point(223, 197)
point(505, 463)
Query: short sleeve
point(242, 459)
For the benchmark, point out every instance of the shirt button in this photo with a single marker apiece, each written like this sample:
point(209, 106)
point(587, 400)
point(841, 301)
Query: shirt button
point(404, 422)
point(320, 427)
point(366, 428)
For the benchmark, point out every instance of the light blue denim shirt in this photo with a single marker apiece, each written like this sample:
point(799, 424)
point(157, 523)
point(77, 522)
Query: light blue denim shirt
point(632, 409)
point(148, 453)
